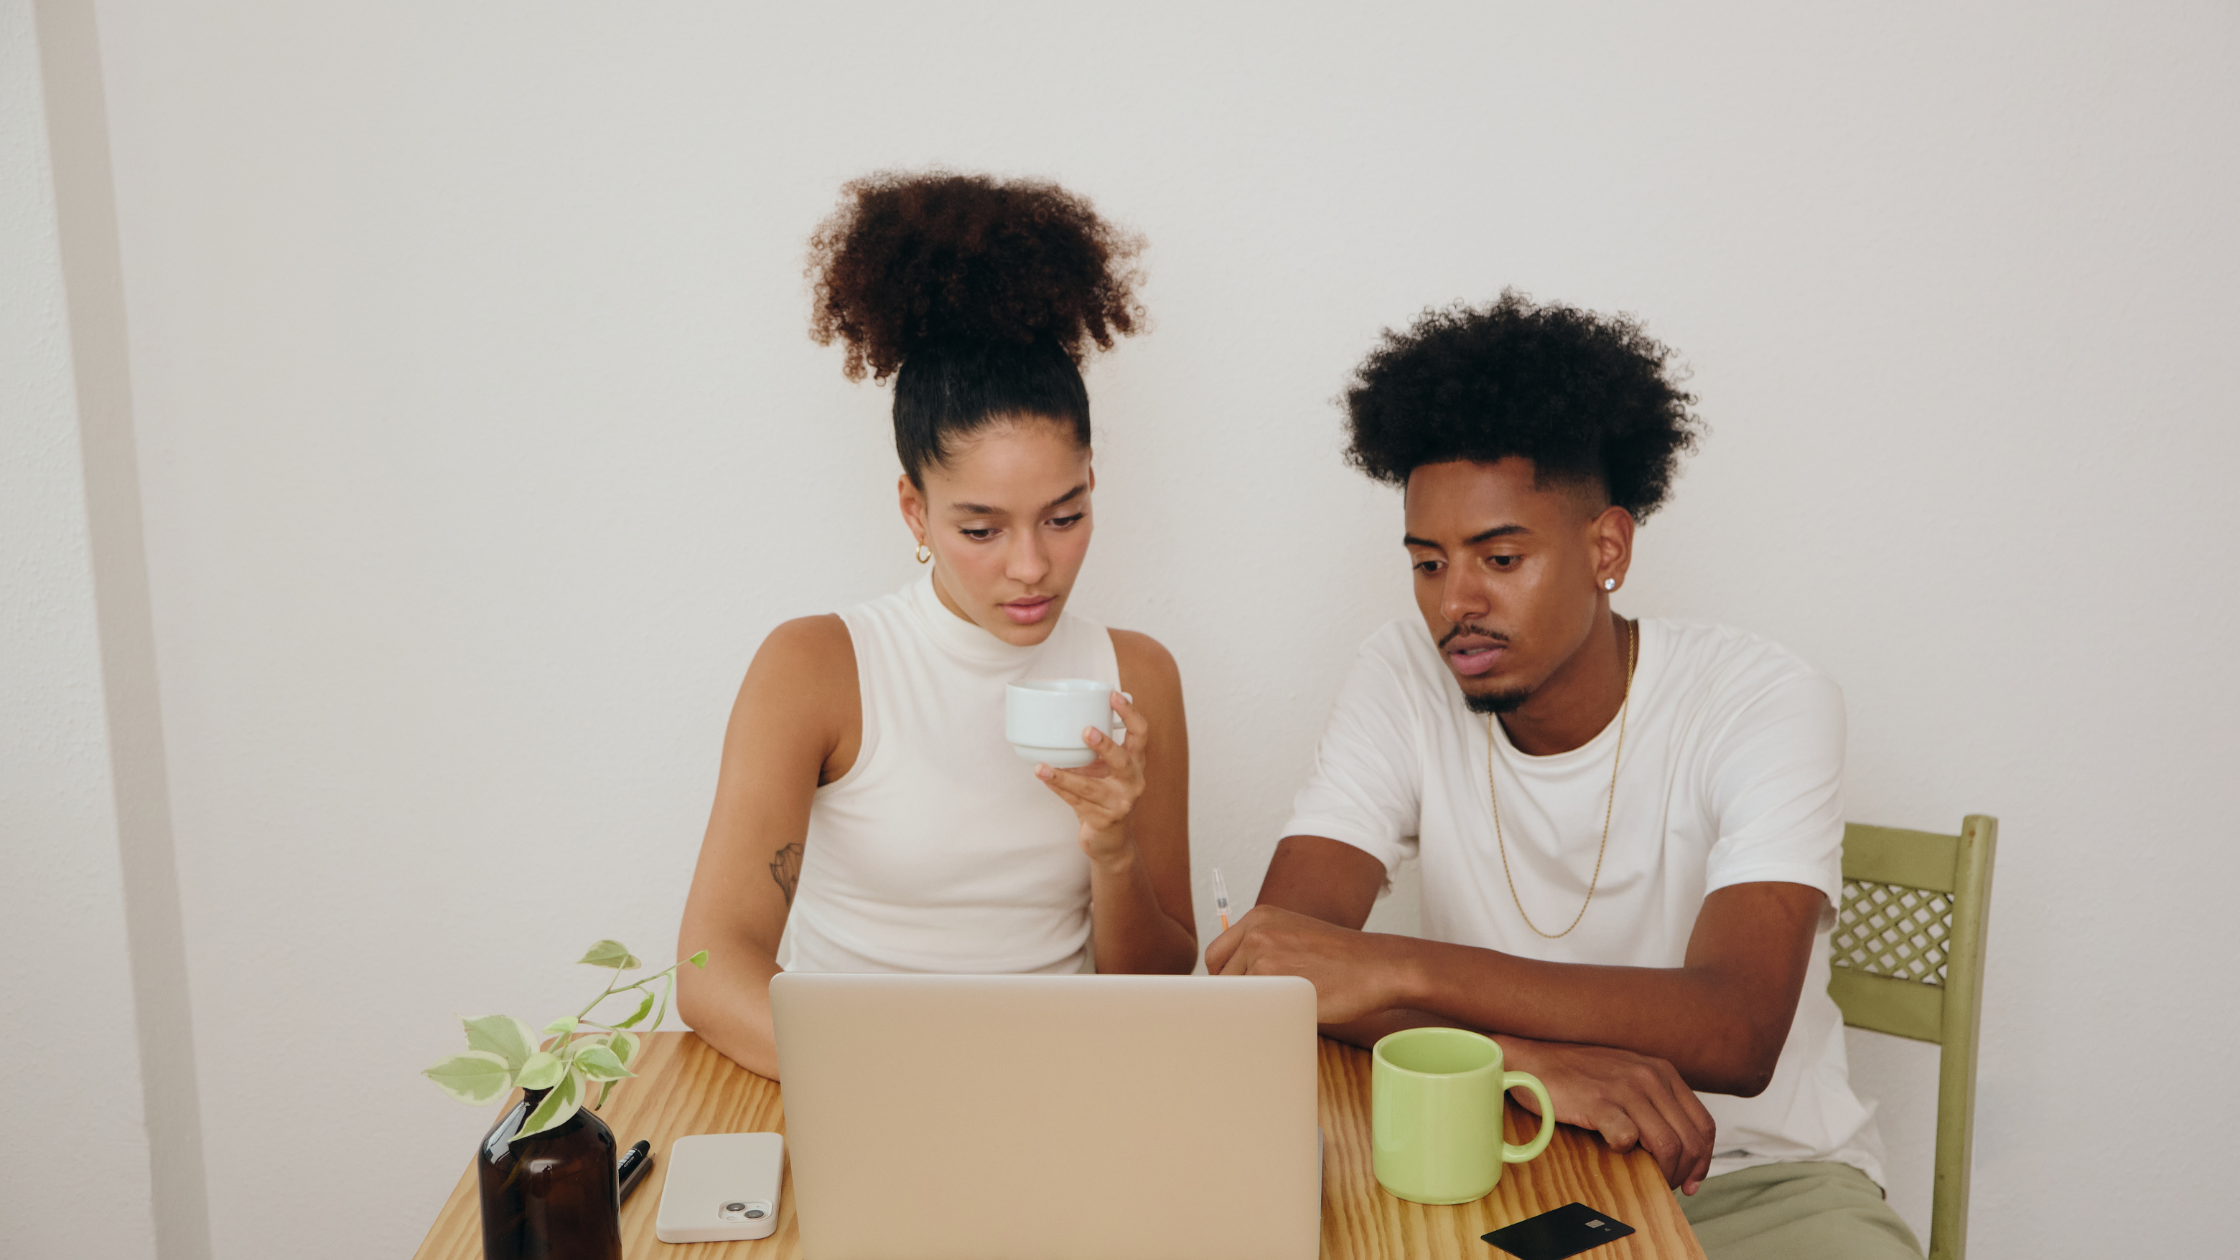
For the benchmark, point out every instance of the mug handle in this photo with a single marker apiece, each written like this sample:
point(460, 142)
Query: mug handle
point(1518, 1154)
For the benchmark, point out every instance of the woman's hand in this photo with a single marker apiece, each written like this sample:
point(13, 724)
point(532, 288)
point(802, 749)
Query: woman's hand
point(1104, 792)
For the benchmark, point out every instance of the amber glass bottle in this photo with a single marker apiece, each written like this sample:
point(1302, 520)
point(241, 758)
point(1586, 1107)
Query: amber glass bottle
point(552, 1196)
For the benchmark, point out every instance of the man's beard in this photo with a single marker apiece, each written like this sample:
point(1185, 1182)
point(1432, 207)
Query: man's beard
point(1495, 702)
point(1492, 701)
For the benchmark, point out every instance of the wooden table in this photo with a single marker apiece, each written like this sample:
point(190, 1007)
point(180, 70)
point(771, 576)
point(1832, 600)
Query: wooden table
point(684, 1087)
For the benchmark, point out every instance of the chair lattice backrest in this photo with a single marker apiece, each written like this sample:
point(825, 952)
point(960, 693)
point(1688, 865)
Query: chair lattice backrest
point(1907, 959)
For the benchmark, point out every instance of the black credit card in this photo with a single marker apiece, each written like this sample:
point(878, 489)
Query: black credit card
point(1567, 1231)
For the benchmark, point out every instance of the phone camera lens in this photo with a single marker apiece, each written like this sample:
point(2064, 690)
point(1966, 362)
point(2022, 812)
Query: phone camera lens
point(734, 1207)
point(754, 1214)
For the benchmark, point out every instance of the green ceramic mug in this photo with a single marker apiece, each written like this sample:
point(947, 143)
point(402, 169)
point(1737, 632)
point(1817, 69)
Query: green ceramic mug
point(1435, 1113)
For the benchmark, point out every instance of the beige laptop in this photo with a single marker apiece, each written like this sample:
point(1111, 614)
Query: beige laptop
point(1050, 1117)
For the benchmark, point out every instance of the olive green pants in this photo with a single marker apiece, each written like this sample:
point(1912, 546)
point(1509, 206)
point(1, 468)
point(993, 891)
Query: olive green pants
point(1797, 1212)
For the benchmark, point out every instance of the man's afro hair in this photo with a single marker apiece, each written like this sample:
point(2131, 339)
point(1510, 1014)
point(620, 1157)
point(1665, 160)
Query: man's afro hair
point(1585, 397)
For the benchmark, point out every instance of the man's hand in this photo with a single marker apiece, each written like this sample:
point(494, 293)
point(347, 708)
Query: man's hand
point(1354, 973)
point(1630, 1099)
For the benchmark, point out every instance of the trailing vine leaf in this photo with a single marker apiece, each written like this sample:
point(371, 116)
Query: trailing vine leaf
point(543, 1070)
point(556, 1107)
point(475, 1077)
point(600, 1064)
point(609, 954)
point(502, 1051)
point(504, 1036)
point(639, 1014)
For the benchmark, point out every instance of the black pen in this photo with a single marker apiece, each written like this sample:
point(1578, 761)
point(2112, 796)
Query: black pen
point(632, 1169)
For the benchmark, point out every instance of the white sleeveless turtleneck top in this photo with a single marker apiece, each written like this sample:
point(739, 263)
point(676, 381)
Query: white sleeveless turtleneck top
point(938, 850)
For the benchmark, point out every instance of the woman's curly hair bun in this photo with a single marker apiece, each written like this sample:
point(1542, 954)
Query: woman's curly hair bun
point(918, 257)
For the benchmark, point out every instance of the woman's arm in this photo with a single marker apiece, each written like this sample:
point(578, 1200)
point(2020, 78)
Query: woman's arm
point(1134, 806)
point(798, 723)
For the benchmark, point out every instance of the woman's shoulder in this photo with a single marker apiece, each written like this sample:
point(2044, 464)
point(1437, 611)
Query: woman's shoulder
point(806, 639)
point(1143, 659)
point(807, 651)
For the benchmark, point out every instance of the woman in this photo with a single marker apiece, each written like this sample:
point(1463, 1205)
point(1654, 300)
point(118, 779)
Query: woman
point(869, 815)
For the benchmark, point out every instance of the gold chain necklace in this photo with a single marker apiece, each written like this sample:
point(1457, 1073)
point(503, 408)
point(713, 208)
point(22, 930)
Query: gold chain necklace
point(1633, 654)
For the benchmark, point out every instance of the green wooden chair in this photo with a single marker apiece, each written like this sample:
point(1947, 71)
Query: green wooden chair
point(1908, 960)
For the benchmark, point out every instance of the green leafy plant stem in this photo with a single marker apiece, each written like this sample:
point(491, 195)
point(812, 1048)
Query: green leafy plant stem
point(667, 974)
point(503, 1052)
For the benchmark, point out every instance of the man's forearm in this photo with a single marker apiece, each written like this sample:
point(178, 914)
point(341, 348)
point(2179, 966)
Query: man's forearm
point(1706, 1024)
point(1720, 1018)
point(1522, 1054)
point(1369, 1029)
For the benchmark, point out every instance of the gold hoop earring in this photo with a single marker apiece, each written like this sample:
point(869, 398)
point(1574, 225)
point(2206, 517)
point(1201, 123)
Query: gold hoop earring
point(925, 553)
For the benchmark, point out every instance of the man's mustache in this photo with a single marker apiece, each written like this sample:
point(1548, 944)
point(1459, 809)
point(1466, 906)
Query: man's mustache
point(1463, 627)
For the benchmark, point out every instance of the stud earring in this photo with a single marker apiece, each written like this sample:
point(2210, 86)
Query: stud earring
point(1609, 584)
point(925, 553)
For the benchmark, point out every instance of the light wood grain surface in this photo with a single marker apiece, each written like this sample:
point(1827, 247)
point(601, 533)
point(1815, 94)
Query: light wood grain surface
point(1360, 1221)
point(684, 1087)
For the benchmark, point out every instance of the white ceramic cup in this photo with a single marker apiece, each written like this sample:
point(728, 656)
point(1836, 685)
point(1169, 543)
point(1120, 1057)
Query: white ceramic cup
point(1044, 718)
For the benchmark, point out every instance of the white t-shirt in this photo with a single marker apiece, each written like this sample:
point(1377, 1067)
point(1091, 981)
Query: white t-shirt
point(1732, 774)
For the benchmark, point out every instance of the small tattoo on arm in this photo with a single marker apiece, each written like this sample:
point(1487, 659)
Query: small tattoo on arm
point(785, 869)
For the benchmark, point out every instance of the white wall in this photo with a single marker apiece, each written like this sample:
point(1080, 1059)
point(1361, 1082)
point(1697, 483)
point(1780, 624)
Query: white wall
point(480, 443)
point(75, 1155)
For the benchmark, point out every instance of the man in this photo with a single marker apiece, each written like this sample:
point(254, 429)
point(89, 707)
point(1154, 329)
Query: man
point(1631, 831)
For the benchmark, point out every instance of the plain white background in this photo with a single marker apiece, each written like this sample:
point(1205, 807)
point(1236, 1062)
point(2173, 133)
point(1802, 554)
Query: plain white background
point(480, 443)
point(75, 1142)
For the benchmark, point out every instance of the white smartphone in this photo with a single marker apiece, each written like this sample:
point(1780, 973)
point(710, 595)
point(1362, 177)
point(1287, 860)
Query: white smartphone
point(721, 1187)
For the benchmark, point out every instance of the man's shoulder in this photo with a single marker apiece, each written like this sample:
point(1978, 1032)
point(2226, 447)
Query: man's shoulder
point(1722, 664)
point(1403, 646)
point(1397, 671)
point(1397, 638)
